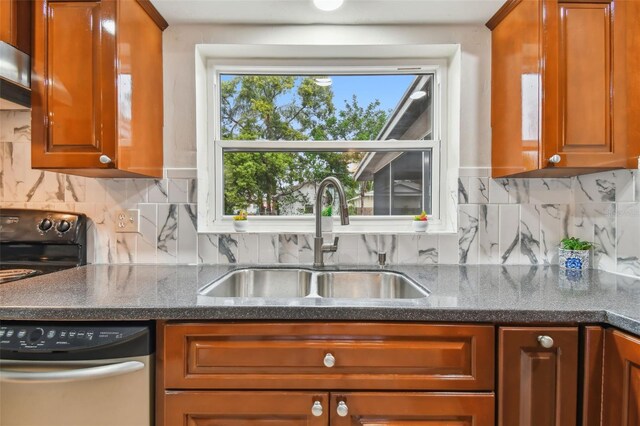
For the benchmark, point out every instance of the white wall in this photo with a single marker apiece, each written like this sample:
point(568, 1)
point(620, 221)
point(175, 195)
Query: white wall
point(179, 74)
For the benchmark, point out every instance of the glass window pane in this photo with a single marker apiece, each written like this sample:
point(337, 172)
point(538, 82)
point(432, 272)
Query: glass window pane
point(326, 107)
point(428, 181)
point(406, 179)
point(382, 192)
point(285, 183)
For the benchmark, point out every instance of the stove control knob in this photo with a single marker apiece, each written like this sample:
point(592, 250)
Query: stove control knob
point(63, 226)
point(45, 225)
point(36, 335)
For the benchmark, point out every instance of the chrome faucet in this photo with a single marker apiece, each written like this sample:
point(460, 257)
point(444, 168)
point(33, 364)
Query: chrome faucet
point(319, 248)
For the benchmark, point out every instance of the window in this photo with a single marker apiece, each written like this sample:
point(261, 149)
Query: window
point(279, 131)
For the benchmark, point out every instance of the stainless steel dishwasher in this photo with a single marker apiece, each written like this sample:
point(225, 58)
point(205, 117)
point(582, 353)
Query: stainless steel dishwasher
point(76, 374)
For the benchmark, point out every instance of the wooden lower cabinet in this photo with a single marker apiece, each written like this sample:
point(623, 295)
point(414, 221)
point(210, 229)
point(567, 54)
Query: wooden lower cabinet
point(325, 373)
point(256, 408)
point(538, 376)
point(412, 409)
point(621, 380)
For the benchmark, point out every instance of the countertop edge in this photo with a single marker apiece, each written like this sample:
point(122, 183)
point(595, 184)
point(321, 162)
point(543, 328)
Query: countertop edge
point(306, 313)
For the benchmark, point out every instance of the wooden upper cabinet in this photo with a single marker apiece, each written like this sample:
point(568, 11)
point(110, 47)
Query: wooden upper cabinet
point(538, 385)
point(557, 74)
point(621, 389)
point(97, 88)
point(15, 23)
point(425, 409)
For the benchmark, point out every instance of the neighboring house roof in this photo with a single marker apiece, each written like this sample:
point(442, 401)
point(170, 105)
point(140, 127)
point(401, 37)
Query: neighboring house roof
point(410, 120)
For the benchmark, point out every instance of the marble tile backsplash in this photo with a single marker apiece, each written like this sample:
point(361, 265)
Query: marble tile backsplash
point(500, 221)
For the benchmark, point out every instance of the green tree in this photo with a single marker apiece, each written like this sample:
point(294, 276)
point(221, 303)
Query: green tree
point(260, 107)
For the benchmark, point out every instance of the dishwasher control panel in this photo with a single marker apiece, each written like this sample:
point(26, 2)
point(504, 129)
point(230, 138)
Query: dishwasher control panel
point(25, 337)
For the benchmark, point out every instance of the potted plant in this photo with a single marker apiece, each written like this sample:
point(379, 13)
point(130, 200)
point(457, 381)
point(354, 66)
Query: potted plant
point(327, 219)
point(574, 253)
point(420, 222)
point(240, 221)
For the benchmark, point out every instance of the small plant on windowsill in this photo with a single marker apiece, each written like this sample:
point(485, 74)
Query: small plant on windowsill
point(574, 253)
point(327, 219)
point(240, 221)
point(420, 222)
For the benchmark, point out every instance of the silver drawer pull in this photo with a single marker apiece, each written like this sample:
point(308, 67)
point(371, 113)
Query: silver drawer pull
point(555, 159)
point(329, 360)
point(105, 159)
point(316, 410)
point(342, 409)
point(545, 341)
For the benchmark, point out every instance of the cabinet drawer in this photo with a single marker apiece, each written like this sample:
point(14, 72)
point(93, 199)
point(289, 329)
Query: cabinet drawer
point(293, 356)
point(232, 408)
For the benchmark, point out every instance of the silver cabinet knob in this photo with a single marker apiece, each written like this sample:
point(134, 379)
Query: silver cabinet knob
point(555, 159)
point(545, 341)
point(329, 360)
point(316, 409)
point(104, 159)
point(342, 409)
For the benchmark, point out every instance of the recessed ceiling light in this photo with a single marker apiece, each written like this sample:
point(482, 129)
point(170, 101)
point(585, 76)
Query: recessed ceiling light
point(323, 82)
point(418, 94)
point(328, 5)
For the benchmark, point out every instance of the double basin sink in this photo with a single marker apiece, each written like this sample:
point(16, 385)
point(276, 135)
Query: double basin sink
point(281, 283)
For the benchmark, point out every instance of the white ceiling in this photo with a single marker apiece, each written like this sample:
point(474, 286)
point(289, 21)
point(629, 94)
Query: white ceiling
point(303, 11)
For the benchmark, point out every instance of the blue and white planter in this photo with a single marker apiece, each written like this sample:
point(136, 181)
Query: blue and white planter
point(574, 259)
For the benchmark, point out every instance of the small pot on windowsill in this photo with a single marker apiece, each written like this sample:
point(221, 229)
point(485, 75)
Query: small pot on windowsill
point(240, 225)
point(420, 225)
point(327, 223)
point(420, 222)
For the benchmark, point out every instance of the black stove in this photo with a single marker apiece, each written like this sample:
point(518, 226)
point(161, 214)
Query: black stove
point(35, 242)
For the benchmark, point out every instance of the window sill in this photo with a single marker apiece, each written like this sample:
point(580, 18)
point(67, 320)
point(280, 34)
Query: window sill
point(377, 227)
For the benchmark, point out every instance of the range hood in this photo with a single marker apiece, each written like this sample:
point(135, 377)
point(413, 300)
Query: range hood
point(15, 78)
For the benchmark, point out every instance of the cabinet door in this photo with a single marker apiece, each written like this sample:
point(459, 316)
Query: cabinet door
point(621, 390)
point(73, 96)
point(428, 409)
point(246, 408)
point(537, 384)
point(578, 88)
point(515, 89)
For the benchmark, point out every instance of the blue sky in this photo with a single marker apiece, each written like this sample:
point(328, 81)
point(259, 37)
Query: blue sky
point(386, 88)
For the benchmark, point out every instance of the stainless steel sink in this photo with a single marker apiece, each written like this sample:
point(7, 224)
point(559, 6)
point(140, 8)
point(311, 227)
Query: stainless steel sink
point(368, 285)
point(282, 283)
point(267, 283)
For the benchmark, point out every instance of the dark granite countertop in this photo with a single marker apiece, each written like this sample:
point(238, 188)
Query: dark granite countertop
point(500, 294)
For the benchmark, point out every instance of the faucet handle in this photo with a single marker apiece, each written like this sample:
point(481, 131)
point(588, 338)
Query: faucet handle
point(382, 258)
point(330, 248)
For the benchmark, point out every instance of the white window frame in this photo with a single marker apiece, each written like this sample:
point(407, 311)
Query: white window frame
point(304, 223)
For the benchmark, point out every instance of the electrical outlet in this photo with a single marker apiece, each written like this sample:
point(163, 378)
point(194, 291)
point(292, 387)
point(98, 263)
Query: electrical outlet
point(128, 221)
